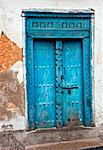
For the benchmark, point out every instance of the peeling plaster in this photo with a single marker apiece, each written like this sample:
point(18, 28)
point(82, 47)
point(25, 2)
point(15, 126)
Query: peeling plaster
point(10, 53)
point(17, 123)
point(18, 67)
point(12, 103)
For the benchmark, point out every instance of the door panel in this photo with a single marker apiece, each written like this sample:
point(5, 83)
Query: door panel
point(58, 63)
point(44, 66)
point(72, 82)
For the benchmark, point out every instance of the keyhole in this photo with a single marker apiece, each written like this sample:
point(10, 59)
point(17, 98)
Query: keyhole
point(69, 91)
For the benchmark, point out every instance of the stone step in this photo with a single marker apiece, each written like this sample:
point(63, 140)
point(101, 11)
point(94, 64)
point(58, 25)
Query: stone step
point(40, 136)
point(68, 145)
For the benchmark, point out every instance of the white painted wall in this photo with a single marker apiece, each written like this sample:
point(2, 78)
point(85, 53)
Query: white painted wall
point(11, 24)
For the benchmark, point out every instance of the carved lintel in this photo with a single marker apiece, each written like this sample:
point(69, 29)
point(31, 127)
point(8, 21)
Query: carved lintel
point(65, 25)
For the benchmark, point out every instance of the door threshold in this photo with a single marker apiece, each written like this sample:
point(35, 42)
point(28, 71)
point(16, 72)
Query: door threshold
point(79, 127)
point(66, 128)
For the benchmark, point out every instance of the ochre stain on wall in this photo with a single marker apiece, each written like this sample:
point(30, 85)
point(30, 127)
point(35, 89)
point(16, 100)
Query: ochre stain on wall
point(9, 52)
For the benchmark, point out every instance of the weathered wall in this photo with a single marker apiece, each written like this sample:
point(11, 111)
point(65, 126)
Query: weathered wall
point(11, 24)
point(11, 84)
point(10, 53)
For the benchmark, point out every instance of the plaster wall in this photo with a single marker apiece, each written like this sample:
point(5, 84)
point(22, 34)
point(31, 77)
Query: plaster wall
point(11, 24)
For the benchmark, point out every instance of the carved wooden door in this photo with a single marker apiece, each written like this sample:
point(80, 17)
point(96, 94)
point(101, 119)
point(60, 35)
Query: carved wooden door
point(58, 67)
point(44, 91)
point(58, 82)
point(72, 82)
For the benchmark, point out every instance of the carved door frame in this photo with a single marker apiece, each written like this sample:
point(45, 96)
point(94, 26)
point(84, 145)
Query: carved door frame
point(80, 28)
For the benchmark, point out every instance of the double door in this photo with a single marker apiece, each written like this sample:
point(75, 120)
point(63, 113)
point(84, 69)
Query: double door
point(58, 82)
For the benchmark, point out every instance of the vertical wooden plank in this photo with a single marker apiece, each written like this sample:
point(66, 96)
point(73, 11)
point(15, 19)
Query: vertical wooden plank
point(24, 64)
point(72, 76)
point(30, 81)
point(58, 84)
point(86, 78)
point(91, 72)
point(44, 70)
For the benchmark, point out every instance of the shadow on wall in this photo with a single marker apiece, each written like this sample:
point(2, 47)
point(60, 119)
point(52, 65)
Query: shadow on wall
point(11, 89)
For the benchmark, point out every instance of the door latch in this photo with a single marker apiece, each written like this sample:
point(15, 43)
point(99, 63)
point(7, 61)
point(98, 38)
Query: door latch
point(70, 88)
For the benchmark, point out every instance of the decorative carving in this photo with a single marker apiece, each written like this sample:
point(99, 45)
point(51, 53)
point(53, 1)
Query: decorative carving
point(49, 25)
point(35, 24)
point(72, 25)
point(30, 82)
point(59, 25)
point(87, 92)
point(64, 25)
point(58, 84)
point(42, 25)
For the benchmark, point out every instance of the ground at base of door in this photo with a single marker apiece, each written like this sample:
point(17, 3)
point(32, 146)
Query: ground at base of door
point(53, 139)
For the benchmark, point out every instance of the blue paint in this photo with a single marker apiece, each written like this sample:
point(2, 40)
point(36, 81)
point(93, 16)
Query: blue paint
point(59, 106)
point(58, 68)
point(44, 76)
point(72, 77)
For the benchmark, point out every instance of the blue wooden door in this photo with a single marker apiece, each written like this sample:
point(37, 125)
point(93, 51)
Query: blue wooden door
point(44, 70)
point(72, 82)
point(58, 82)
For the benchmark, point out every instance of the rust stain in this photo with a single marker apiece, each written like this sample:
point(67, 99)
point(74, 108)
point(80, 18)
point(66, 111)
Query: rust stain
point(74, 120)
point(10, 53)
